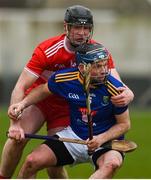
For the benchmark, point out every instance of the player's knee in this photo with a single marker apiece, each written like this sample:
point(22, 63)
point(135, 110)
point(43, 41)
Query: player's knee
point(32, 162)
point(113, 164)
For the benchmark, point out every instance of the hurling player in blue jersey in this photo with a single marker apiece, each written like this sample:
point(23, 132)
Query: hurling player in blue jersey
point(109, 122)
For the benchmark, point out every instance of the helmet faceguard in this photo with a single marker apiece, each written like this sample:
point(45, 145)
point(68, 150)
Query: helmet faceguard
point(97, 56)
point(78, 16)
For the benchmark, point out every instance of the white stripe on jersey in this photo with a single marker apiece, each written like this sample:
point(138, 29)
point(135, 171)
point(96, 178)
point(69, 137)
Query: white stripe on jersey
point(54, 48)
point(33, 73)
point(55, 51)
point(44, 75)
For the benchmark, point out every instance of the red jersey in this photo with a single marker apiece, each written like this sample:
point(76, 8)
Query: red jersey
point(49, 56)
point(52, 55)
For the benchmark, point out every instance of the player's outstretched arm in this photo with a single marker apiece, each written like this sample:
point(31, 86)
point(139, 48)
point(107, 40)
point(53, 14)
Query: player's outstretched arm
point(25, 80)
point(36, 95)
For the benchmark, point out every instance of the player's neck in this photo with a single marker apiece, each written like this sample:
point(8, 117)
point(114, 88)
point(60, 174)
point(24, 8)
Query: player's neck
point(68, 45)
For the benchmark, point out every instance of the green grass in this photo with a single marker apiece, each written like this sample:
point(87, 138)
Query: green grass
point(137, 164)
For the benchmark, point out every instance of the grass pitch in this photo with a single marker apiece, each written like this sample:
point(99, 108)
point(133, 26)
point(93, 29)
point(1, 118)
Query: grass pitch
point(136, 164)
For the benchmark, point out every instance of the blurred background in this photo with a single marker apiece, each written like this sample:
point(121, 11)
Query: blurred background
point(123, 26)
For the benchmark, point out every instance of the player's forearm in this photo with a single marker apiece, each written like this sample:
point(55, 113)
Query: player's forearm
point(24, 82)
point(115, 74)
point(37, 94)
point(117, 130)
point(17, 96)
point(130, 93)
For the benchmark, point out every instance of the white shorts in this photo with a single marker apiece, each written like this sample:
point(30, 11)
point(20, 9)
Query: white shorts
point(79, 152)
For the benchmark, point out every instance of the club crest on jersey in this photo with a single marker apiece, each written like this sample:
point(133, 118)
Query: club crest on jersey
point(105, 100)
point(84, 114)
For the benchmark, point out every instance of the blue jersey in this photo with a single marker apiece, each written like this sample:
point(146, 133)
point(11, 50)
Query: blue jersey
point(68, 84)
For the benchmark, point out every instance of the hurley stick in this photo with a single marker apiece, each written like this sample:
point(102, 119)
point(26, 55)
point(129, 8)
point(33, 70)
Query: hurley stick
point(119, 145)
point(86, 83)
point(45, 137)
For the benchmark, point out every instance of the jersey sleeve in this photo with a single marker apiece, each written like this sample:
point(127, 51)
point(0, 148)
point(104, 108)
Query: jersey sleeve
point(117, 83)
point(52, 85)
point(38, 62)
point(119, 110)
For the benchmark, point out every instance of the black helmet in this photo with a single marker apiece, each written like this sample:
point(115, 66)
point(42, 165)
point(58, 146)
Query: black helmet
point(78, 15)
point(89, 53)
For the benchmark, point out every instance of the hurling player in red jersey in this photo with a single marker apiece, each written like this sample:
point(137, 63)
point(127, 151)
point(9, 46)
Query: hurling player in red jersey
point(51, 55)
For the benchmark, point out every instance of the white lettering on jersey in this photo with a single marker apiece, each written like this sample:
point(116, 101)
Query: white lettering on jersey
point(92, 95)
point(73, 96)
point(60, 66)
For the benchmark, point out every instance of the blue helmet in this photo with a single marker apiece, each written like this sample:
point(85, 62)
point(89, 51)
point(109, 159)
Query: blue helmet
point(90, 53)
